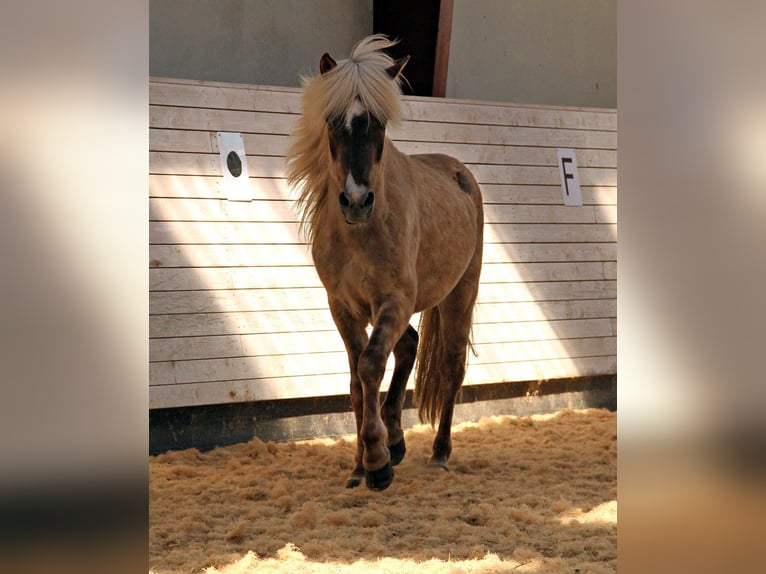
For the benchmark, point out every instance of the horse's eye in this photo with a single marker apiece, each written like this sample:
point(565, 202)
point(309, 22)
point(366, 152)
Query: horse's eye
point(334, 124)
point(375, 124)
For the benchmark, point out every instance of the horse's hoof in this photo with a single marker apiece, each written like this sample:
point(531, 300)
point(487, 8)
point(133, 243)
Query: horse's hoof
point(355, 478)
point(380, 479)
point(353, 482)
point(397, 452)
point(438, 463)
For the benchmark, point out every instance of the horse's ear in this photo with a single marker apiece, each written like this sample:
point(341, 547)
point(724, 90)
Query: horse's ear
point(326, 63)
point(396, 69)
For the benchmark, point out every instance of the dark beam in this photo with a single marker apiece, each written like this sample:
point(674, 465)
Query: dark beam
point(441, 60)
point(205, 427)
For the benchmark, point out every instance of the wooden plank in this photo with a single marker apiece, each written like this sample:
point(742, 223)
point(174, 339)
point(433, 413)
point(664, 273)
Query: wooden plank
point(251, 255)
point(507, 154)
point(544, 194)
point(222, 210)
point(235, 300)
point(539, 175)
point(544, 310)
point(295, 298)
point(167, 163)
point(540, 252)
point(282, 124)
point(256, 122)
point(335, 362)
point(207, 370)
point(540, 370)
point(209, 187)
point(173, 209)
point(299, 254)
point(231, 96)
point(180, 140)
point(328, 385)
point(171, 163)
point(286, 233)
point(176, 92)
point(194, 187)
point(549, 233)
point(207, 324)
point(243, 370)
point(547, 291)
point(503, 135)
point(285, 277)
point(191, 232)
point(499, 213)
point(221, 392)
point(499, 113)
point(301, 364)
point(288, 277)
point(606, 214)
point(222, 346)
point(543, 350)
point(547, 271)
point(541, 330)
point(195, 232)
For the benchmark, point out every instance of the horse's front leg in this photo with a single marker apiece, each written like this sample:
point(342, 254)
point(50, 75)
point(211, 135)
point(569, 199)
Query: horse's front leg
point(405, 351)
point(354, 335)
point(392, 320)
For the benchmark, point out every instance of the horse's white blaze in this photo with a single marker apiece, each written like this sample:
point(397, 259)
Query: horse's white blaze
point(356, 109)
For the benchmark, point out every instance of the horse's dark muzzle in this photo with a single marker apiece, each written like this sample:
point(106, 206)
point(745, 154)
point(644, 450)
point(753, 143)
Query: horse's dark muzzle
point(357, 208)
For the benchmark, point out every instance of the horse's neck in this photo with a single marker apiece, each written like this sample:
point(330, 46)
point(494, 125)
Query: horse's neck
point(392, 150)
point(394, 160)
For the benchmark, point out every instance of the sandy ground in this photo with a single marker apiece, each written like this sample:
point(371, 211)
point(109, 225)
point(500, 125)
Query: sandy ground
point(533, 494)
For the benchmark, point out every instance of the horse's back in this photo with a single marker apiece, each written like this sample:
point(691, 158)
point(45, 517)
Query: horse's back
point(454, 169)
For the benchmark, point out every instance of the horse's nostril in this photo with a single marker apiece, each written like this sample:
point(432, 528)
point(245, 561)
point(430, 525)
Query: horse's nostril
point(343, 200)
point(368, 201)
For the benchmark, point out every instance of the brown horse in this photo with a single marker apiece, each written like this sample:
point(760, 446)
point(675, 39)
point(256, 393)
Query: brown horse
point(391, 235)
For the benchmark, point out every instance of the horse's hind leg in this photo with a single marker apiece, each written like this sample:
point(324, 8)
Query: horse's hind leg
point(456, 316)
point(454, 372)
point(404, 354)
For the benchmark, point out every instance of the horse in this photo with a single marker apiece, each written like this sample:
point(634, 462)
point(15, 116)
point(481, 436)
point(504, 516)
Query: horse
point(391, 235)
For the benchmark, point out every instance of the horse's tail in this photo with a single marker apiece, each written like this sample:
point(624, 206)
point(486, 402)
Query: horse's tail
point(430, 387)
point(429, 393)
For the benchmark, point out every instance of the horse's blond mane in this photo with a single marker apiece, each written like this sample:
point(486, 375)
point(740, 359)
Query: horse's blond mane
point(327, 97)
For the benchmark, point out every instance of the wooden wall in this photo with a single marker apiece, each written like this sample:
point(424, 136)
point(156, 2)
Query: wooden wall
point(237, 311)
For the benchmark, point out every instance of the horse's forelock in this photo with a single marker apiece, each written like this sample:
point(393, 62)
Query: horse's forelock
point(363, 76)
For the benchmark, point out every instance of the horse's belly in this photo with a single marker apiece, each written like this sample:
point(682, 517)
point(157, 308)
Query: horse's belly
point(438, 276)
point(448, 244)
point(433, 290)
